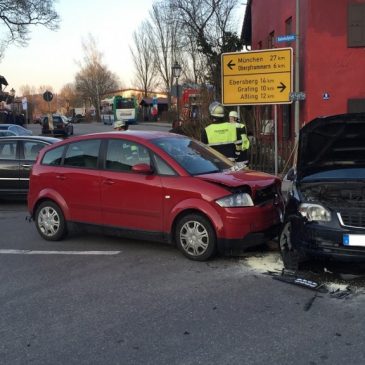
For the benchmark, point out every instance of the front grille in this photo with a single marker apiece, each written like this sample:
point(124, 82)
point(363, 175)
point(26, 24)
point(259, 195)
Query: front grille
point(352, 217)
point(265, 194)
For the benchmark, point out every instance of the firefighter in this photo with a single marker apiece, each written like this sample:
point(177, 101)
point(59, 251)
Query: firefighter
point(220, 135)
point(243, 143)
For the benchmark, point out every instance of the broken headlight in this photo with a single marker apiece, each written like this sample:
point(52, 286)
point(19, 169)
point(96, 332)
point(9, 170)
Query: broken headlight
point(315, 212)
point(235, 200)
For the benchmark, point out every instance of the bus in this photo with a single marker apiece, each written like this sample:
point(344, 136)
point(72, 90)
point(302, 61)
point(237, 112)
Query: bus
point(119, 108)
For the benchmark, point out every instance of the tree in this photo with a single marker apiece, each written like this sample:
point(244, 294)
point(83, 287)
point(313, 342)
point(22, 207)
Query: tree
point(16, 17)
point(94, 79)
point(70, 97)
point(209, 22)
point(164, 41)
point(142, 55)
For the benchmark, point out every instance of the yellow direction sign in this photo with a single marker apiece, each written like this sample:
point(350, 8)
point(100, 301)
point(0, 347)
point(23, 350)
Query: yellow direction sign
point(257, 77)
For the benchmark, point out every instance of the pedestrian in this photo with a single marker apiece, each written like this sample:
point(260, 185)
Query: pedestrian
point(177, 127)
point(220, 135)
point(243, 142)
point(119, 125)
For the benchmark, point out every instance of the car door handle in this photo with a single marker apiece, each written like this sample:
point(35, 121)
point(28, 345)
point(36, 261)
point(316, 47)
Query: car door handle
point(61, 177)
point(27, 166)
point(109, 182)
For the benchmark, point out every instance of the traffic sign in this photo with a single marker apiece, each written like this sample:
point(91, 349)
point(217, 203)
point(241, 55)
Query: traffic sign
point(286, 38)
point(47, 96)
point(257, 77)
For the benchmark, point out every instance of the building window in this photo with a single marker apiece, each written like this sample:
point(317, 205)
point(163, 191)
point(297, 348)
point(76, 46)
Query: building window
point(271, 40)
point(288, 28)
point(356, 105)
point(356, 25)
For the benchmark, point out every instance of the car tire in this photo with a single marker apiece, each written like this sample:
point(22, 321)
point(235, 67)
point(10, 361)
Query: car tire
point(50, 221)
point(291, 257)
point(195, 237)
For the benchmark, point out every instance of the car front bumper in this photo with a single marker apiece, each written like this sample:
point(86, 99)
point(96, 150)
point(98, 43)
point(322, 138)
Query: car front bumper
point(247, 227)
point(236, 246)
point(328, 242)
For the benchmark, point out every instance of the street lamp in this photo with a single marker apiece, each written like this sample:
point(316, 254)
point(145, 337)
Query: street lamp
point(176, 72)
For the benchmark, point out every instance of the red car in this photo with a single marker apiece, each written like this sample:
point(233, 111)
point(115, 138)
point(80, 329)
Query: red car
point(154, 185)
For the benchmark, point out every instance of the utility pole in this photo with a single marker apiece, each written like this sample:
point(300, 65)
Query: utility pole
point(297, 74)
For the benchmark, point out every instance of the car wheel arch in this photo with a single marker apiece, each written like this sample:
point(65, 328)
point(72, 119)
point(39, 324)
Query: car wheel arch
point(197, 205)
point(291, 254)
point(195, 236)
point(55, 198)
point(185, 213)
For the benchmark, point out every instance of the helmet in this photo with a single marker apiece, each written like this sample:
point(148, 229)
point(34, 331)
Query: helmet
point(233, 114)
point(216, 110)
point(119, 124)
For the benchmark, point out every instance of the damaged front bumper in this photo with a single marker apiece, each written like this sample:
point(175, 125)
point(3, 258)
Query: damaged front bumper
point(330, 242)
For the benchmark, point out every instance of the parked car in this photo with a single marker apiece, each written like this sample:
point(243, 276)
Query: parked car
point(6, 133)
point(154, 185)
point(325, 209)
point(78, 118)
point(61, 126)
point(17, 155)
point(15, 130)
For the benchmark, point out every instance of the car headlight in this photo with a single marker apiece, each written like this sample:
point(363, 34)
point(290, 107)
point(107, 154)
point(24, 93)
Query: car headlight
point(315, 212)
point(235, 200)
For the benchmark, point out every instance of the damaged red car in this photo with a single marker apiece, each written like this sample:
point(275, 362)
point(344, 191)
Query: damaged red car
point(154, 186)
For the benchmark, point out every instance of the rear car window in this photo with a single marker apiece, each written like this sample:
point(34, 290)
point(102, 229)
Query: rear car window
point(53, 157)
point(31, 149)
point(82, 154)
point(7, 150)
point(123, 155)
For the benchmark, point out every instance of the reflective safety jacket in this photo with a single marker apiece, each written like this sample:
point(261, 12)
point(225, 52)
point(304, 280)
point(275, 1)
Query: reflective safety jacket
point(222, 137)
point(243, 139)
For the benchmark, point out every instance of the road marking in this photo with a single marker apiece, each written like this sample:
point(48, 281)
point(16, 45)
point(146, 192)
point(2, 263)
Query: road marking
point(35, 252)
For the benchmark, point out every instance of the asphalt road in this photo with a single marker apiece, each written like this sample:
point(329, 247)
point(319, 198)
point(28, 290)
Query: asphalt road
point(93, 299)
point(82, 128)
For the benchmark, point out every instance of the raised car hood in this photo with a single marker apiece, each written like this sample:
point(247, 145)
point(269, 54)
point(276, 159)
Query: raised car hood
point(329, 143)
point(254, 179)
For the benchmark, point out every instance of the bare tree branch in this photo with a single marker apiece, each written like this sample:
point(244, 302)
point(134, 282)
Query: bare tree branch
point(142, 54)
point(94, 79)
point(16, 17)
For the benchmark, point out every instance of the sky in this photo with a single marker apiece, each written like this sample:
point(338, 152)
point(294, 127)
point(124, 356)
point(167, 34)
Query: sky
point(52, 57)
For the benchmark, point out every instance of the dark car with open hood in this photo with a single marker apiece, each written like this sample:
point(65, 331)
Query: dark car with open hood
point(325, 210)
point(154, 185)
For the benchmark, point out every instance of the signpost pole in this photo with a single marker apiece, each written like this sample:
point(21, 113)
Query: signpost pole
point(276, 137)
point(297, 85)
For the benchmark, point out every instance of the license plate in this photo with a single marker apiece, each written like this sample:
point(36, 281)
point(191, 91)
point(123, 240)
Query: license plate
point(354, 240)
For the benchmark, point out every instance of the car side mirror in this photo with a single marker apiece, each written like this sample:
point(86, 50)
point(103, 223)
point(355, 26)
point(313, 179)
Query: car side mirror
point(142, 168)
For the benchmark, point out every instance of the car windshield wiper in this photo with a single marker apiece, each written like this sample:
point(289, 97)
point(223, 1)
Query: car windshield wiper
point(206, 172)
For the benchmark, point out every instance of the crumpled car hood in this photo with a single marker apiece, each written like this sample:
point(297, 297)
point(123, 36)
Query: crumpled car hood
point(330, 143)
point(254, 179)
